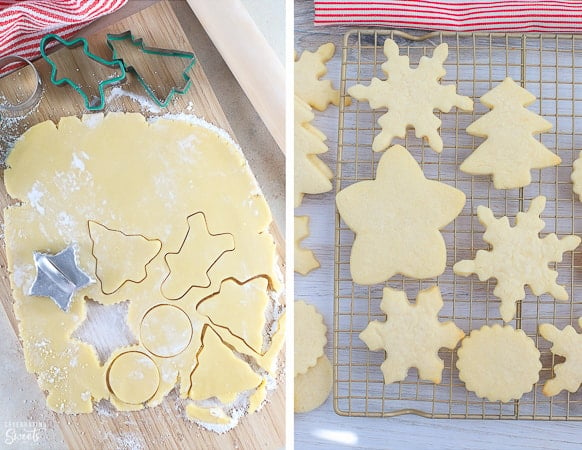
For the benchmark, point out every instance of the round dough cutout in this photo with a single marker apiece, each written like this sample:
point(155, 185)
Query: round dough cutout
point(166, 331)
point(133, 377)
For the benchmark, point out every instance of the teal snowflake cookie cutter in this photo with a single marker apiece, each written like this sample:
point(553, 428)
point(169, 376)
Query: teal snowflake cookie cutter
point(111, 38)
point(65, 80)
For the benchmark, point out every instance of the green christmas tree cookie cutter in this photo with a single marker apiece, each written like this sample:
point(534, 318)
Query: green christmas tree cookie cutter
point(127, 35)
point(63, 81)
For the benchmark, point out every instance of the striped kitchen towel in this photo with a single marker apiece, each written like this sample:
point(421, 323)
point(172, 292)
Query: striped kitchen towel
point(24, 22)
point(508, 16)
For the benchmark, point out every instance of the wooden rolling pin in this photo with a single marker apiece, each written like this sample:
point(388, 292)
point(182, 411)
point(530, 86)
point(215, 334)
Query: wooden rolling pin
point(250, 58)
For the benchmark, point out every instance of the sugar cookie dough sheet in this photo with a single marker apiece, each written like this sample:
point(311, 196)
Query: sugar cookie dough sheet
point(171, 190)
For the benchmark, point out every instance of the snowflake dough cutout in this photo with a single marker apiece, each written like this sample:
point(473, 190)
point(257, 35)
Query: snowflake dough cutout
point(498, 363)
point(510, 151)
point(518, 257)
point(397, 220)
point(411, 96)
point(566, 343)
point(576, 176)
point(305, 260)
point(411, 335)
point(309, 68)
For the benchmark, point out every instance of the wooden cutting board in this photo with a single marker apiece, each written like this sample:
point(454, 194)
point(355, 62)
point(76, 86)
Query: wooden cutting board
point(165, 426)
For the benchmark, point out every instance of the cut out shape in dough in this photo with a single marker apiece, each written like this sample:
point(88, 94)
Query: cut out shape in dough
point(566, 343)
point(133, 377)
point(310, 336)
point(240, 307)
point(257, 399)
point(312, 388)
point(98, 168)
point(396, 219)
point(305, 261)
point(120, 257)
point(411, 96)
point(311, 174)
point(412, 335)
point(207, 415)
point(190, 265)
point(518, 256)
point(219, 373)
point(510, 151)
point(309, 68)
point(498, 363)
point(166, 331)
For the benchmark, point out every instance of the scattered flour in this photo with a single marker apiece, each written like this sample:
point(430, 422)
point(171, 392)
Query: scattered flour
point(35, 196)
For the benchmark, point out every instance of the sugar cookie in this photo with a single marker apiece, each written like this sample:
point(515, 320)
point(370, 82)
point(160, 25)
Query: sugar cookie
point(498, 363)
point(518, 257)
point(313, 387)
point(411, 335)
point(305, 260)
point(510, 151)
point(576, 176)
point(411, 96)
point(396, 219)
point(310, 336)
point(566, 343)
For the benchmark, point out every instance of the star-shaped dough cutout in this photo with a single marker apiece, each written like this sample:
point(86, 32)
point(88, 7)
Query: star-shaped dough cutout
point(58, 277)
point(309, 68)
point(566, 343)
point(411, 96)
point(412, 335)
point(200, 250)
point(396, 219)
point(518, 257)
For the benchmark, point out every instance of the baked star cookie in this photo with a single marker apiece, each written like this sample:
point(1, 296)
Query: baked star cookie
point(304, 259)
point(518, 257)
point(309, 68)
point(498, 363)
point(311, 174)
point(104, 183)
point(510, 151)
point(566, 343)
point(396, 219)
point(411, 96)
point(412, 335)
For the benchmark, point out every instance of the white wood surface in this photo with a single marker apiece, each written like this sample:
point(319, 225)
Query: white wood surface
point(322, 428)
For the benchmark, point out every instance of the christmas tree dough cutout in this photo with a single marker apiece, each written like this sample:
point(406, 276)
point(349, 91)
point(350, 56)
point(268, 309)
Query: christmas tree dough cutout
point(190, 265)
point(311, 174)
point(219, 373)
point(397, 220)
point(305, 260)
point(566, 343)
point(411, 96)
point(116, 254)
point(510, 150)
point(518, 256)
point(240, 307)
point(309, 68)
point(411, 335)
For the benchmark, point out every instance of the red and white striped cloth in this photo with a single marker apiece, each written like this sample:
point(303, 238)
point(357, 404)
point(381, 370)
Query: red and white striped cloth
point(508, 16)
point(23, 23)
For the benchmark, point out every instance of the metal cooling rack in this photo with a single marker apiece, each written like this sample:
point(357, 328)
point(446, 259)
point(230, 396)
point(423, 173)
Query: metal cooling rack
point(546, 65)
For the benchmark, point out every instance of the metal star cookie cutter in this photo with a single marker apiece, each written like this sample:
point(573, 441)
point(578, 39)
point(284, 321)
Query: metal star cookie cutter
point(58, 277)
point(62, 81)
point(127, 35)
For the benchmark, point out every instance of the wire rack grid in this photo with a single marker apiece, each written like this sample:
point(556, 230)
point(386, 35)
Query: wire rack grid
point(546, 66)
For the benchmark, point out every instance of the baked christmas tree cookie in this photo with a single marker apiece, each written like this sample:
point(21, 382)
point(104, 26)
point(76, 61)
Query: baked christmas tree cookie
point(498, 363)
point(518, 256)
point(566, 343)
point(412, 335)
point(510, 150)
point(411, 96)
point(396, 219)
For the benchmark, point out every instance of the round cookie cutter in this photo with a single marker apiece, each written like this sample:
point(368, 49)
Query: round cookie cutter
point(11, 109)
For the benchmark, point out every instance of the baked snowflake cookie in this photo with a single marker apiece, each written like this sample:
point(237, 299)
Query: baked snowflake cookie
point(566, 343)
point(518, 256)
point(510, 150)
point(412, 335)
point(411, 96)
point(165, 217)
point(498, 363)
point(397, 220)
point(576, 176)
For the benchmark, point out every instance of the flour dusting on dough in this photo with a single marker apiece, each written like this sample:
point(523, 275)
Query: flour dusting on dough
point(35, 196)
